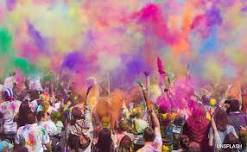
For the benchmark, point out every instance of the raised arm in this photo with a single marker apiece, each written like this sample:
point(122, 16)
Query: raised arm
point(214, 134)
point(155, 121)
point(156, 127)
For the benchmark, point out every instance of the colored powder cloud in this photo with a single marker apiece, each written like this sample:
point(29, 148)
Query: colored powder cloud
point(24, 65)
point(5, 41)
point(210, 44)
point(124, 38)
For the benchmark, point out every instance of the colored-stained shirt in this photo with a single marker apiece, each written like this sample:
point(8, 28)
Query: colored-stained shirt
point(33, 137)
point(50, 127)
point(83, 125)
point(59, 126)
point(9, 110)
point(4, 145)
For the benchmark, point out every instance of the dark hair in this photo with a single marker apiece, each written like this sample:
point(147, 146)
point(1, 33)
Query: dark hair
point(1, 115)
point(230, 139)
point(34, 94)
point(31, 119)
point(18, 148)
point(76, 115)
point(105, 142)
point(23, 112)
point(234, 105)
point(148, 135)
point(13, 74)
point(123, 125)
point(40, 115)
point(185, 141)
point(228, 101)
point(221, 119)
point(126, 145)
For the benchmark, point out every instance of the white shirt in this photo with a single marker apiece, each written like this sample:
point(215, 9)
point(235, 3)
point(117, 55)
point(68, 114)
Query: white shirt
point(221, 135)
point(59, 126)
point(33, 136)
point(9, 82)
point(50, 127)
point(9, 110)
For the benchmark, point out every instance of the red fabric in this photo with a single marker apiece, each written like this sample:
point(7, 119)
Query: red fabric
point(197, 128)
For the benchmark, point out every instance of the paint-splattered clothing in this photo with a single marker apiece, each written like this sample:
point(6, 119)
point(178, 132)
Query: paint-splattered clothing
point(83, 125)
point(50, 127)
point(6, 145)
point(33, 136)
point(9, 110)
point(59, 126)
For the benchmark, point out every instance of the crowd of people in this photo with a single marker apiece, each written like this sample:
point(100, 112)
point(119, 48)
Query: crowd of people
point(52, 116)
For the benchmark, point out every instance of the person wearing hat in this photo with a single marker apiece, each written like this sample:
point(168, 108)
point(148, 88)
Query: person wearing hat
point(9, 108)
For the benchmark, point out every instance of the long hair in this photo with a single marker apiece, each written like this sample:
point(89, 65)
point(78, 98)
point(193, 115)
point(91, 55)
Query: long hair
point(24, 110)
point(221, 119)
point(234, 105)
point(31, 119)
point(105, 142)
point(125, 145)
